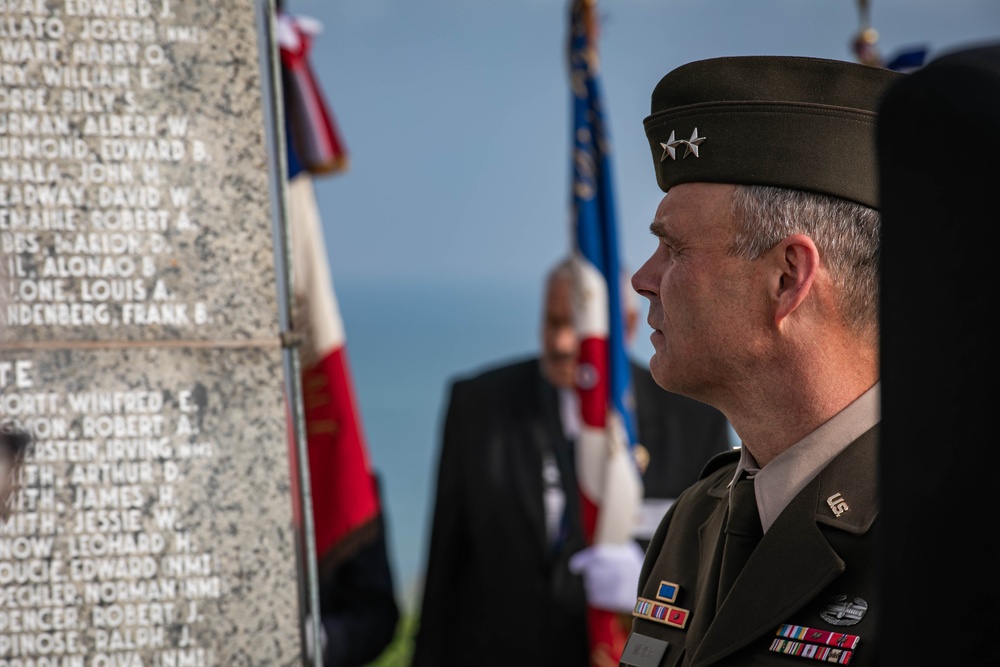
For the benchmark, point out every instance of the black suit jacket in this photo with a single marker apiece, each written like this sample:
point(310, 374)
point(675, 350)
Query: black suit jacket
point(496, 592)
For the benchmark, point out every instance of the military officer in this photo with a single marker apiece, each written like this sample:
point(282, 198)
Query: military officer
point(763, 299)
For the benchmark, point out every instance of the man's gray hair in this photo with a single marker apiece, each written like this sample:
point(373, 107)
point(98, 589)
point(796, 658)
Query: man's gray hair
point(565, 269)
point(846, 234)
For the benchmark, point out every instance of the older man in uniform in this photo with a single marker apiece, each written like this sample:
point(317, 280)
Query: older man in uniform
point(763, 299)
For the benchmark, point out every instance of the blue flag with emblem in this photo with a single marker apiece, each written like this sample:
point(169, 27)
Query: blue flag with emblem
point(610, 485)
point(593, 202)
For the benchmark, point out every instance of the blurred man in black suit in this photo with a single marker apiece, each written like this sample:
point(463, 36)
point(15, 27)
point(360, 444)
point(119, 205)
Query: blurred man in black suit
point(499, 589)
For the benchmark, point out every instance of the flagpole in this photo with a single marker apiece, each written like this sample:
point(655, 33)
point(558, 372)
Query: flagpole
point(865, 42)
point(290, 341)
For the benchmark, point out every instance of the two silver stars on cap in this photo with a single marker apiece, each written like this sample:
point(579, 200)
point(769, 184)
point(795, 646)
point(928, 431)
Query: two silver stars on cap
point(690, 146)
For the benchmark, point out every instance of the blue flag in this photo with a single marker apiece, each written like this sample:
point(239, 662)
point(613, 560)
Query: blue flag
point(610, 484)
point(593, 203)
point(908, 60)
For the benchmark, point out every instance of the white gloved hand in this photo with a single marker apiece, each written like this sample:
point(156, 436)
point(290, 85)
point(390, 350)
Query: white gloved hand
point(610, 574)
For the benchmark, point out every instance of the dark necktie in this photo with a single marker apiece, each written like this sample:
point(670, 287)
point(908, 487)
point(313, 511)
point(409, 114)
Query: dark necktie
point(569, 524)
point(743, 532)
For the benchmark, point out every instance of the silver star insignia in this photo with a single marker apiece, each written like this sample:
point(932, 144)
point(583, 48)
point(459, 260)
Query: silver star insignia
point(670, 147)
point(693, 143)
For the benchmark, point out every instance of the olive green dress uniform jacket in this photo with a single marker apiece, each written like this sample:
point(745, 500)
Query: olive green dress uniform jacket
point(808, 559)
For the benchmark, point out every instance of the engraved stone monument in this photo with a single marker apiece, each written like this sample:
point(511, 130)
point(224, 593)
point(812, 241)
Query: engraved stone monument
point(153, 518)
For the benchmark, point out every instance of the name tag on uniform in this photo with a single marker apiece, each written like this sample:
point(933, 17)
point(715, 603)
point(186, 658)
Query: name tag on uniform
point(643, 651)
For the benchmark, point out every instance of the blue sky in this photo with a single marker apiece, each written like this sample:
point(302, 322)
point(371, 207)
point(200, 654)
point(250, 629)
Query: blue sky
point(456, 115)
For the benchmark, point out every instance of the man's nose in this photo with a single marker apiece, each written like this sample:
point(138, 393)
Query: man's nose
point(641, 282)
point(566, 339)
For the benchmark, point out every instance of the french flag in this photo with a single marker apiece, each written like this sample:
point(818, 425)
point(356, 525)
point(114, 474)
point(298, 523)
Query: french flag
point(345, 502)
point(344, 498)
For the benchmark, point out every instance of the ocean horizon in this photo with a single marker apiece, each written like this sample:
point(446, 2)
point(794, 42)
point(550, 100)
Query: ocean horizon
point(405, 341)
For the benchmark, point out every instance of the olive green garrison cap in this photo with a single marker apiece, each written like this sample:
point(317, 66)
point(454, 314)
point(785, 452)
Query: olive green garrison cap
point(786, 121)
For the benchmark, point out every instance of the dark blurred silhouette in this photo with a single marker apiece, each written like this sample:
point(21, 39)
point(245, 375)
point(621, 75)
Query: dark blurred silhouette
point(938, 143)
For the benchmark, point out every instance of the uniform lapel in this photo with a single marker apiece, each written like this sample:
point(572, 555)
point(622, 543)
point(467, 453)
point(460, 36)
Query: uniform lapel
point(710, 547)
point(787, 569)
point(794, 561)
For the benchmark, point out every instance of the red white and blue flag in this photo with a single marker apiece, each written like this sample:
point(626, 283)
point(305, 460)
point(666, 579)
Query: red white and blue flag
point(344, 499)
point(610, 484)
point(345, 502)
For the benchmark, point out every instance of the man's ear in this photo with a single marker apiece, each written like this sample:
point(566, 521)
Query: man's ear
point(798, 264)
